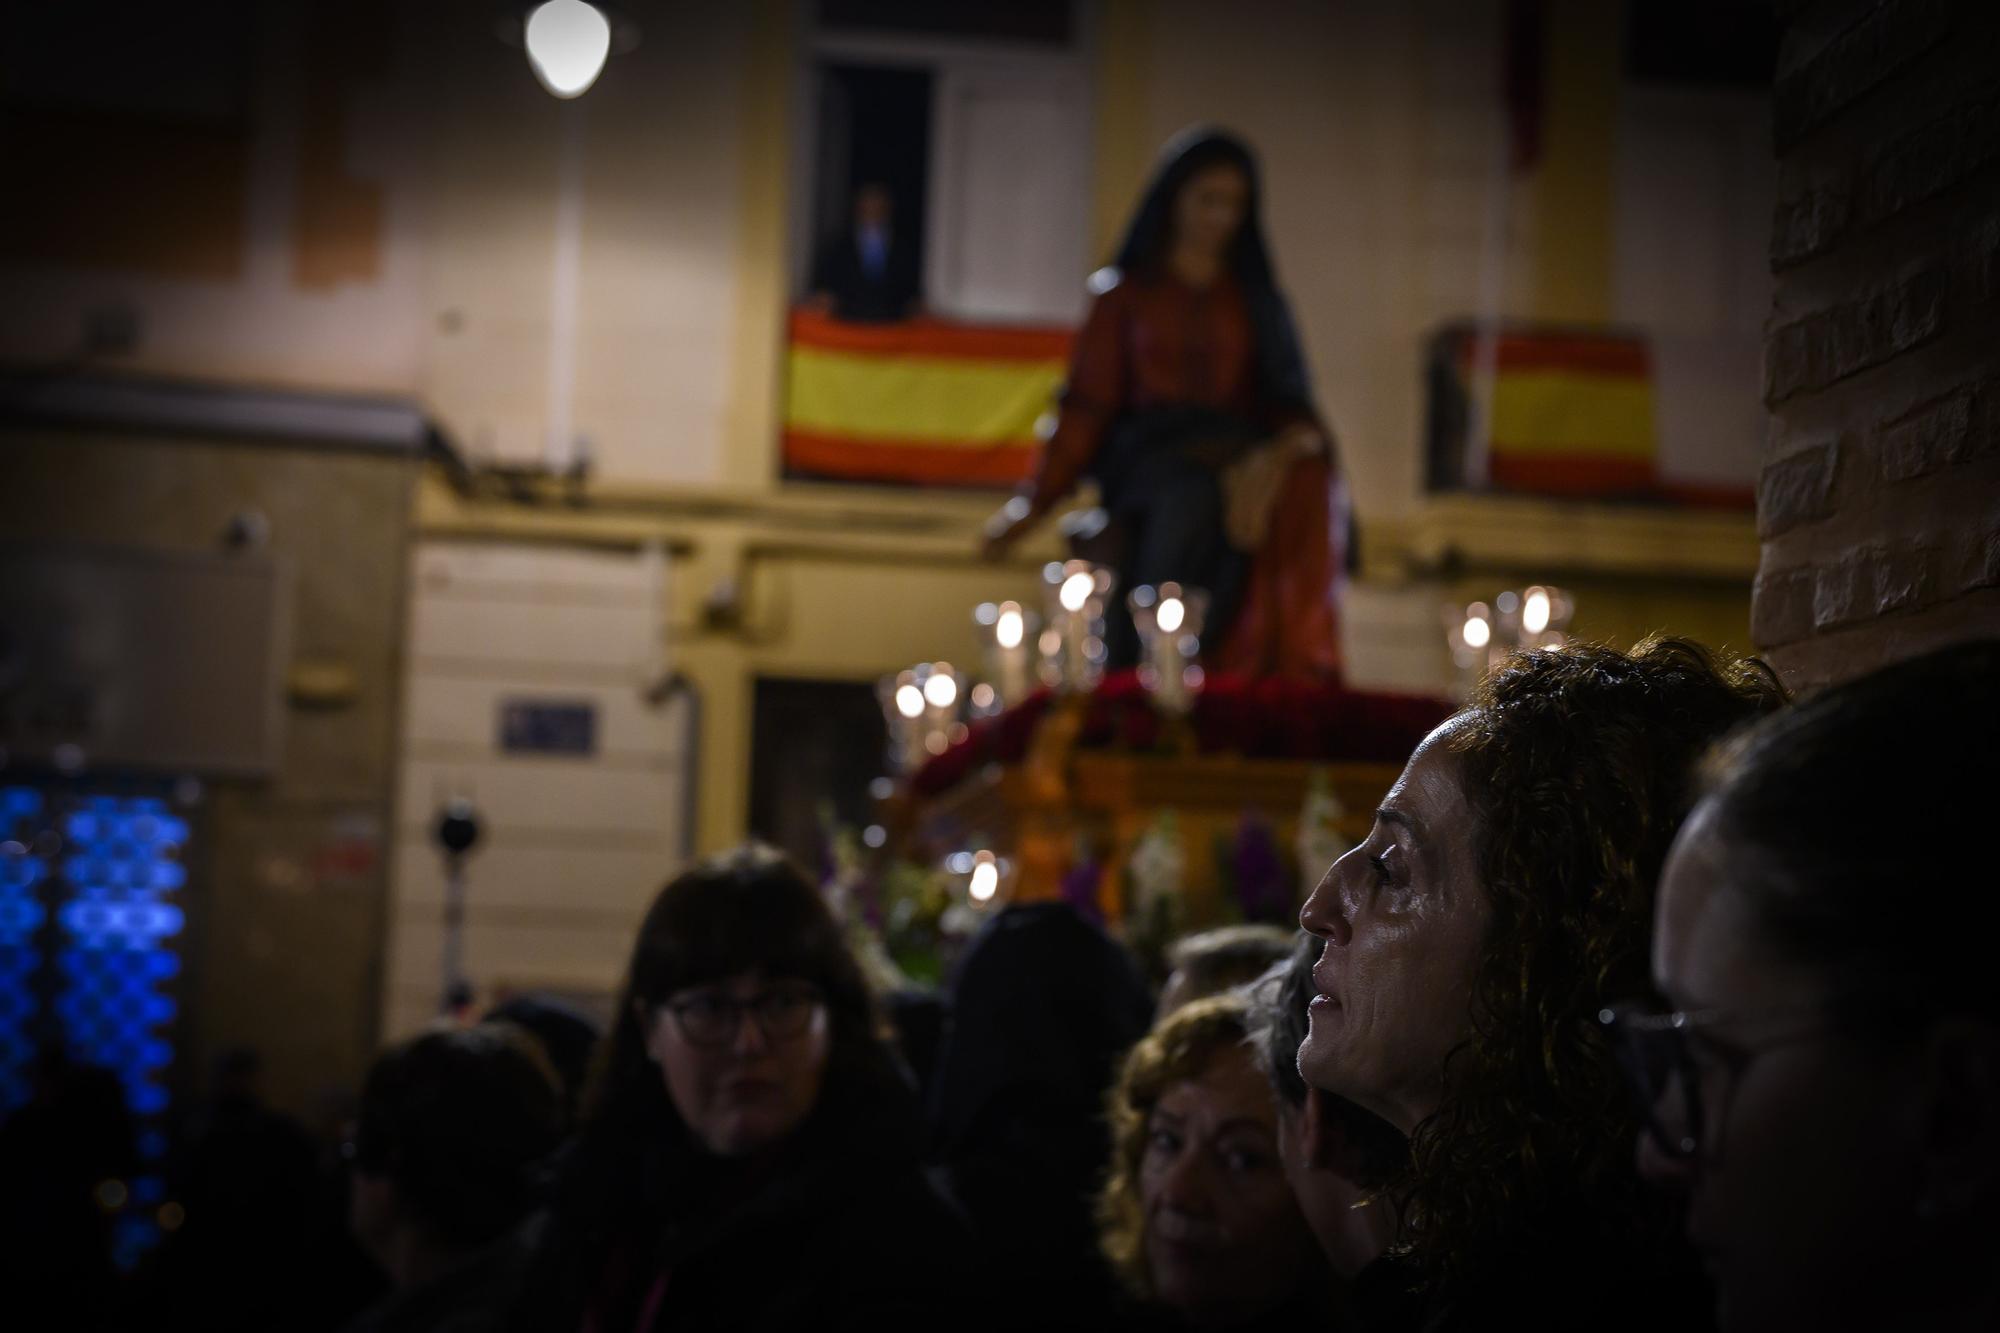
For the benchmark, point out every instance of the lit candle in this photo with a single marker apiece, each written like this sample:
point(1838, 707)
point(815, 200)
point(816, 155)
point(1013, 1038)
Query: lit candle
point(1169, 620)
point(1009, 669)
point(1073, 644)
point(940, 692)
point(903, 705)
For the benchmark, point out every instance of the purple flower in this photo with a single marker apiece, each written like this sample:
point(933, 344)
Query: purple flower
point(1263, 887)
point(1079, 890)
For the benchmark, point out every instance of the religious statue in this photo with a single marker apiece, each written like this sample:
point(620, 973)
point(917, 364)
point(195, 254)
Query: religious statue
point(1188, 404)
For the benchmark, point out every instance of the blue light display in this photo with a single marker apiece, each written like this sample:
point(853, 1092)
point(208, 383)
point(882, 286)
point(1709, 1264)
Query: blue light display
point(21, 918)
point(86, 917)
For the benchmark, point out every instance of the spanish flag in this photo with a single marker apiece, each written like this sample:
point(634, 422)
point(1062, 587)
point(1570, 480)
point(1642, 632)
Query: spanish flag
point(1572, 412)
point(923, 402)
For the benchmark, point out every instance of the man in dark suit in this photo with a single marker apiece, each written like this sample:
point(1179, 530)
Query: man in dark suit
point(867, 273)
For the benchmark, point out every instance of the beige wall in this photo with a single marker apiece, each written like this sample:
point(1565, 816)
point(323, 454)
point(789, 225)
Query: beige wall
point(454, 302)
point(574, 846)
point(253, 320)
point(662, 239)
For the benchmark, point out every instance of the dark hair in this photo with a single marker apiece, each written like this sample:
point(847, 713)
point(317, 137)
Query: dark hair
point(1808, 801)
point(1214, 960)
point(461, 1121)
point(1280, 1016)
point(1579, 765)
point(748, 910)
point(1187, 155)
point(1040, 1008)
point(566, 1036)
point(637, 1168)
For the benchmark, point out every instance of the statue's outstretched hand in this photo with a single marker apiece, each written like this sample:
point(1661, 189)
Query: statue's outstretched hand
point(1007, 526)
point(1303, 440)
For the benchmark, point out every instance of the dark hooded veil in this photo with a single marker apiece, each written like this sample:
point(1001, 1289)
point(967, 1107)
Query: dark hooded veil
point(1280, 366)
point(1042, 1007)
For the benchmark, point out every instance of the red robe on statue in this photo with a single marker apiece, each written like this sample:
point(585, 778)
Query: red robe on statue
point(1161, 344)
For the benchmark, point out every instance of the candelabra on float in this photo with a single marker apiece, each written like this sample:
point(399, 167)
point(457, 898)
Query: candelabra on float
point(1169, 619)
point(1482, 634)
point(1010, 669)
point(1072, 644)
point(921, 705)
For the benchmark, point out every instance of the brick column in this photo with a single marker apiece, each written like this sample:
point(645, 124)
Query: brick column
point(1879, 501)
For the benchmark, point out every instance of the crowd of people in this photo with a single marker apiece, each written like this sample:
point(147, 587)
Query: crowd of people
point(1652, 1000)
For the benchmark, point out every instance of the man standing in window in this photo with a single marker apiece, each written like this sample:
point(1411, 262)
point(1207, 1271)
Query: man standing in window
point(866, 273)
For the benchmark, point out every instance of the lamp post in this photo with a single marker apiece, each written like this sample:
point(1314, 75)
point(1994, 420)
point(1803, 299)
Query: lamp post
point(457, 832)
point(568, 42)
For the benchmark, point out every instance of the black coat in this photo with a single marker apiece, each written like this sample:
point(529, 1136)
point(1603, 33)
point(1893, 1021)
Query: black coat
point(843, 1232)
point(1042, 1007)
point(859, 295)
point(476, 1297)
point(1570, 1281)
point(837, 1244)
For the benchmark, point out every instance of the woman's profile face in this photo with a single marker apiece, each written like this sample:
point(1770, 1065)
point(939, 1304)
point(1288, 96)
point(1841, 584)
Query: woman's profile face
point(1210, 207)
point(1225, 1240)
point(743, 1059)
point(1806, 1175)
point(1403, 916)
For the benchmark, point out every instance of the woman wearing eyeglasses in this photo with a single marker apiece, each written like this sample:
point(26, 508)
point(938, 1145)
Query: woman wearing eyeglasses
point(748, 1157)
point(1501, 901)
point(1825, 1086)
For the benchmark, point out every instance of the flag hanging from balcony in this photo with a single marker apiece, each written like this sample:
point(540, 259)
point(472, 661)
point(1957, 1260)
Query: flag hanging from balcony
point(1572, 413)
point(923, 403)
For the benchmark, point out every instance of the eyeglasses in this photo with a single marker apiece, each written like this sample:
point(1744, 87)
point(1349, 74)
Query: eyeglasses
point(711, 1018)
point(1668, 1058)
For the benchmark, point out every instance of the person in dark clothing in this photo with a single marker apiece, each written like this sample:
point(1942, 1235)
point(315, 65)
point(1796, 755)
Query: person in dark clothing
point(917, 1019)
point(453, 1128)
point(264, 1242)
point(1822, 1073)
point(1040, 1009)
point(568, 1038)
point(750, 1152)
point(867, 272)
point(61, 1152)
point(1502, 899)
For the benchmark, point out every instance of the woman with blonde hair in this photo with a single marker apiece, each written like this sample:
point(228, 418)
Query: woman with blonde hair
point(1197, 1217)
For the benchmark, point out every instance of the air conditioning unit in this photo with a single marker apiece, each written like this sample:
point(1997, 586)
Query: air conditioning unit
point(121, 659)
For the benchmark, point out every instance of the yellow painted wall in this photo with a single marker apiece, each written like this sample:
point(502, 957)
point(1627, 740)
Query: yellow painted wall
point(1573, 185)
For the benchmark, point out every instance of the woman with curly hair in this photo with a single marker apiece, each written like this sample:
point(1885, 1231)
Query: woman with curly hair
point(1502, 899)
point(1196, 1217)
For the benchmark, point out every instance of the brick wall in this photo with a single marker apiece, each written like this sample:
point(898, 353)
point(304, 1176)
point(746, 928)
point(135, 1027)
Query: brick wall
point(1879, 499)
